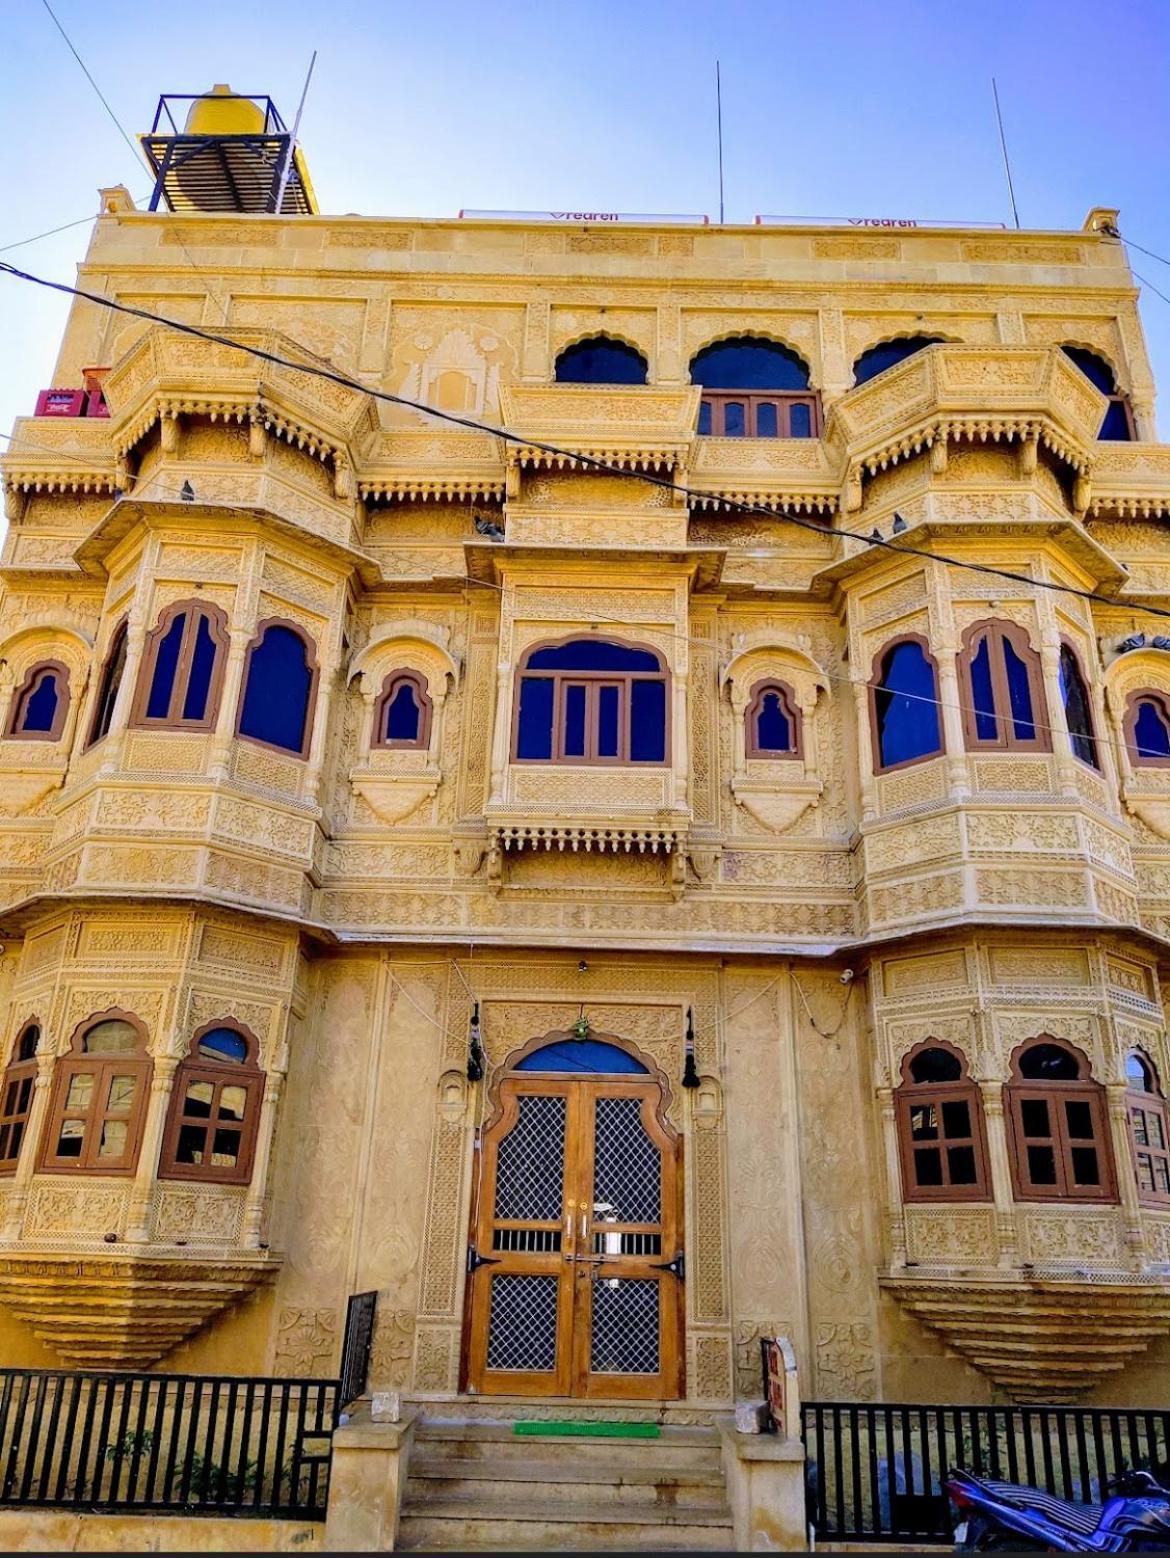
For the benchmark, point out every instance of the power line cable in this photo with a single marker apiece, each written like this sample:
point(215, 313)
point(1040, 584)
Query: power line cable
point(22, 243)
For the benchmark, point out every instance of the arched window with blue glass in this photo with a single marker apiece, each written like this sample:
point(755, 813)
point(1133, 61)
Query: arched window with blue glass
point(1001, 689)
point(1078, 710)
point(1117, 426)
point(754, 388)
point(888, 354)
point(280, 685)
point(1147, 728)
point(214, 1113)
point(40, 703)
point(601, 359)
point(182, 668)
point(402, 714)
point(773, 721)
point(581, 1057)
point(592, 700)
point(903, 702)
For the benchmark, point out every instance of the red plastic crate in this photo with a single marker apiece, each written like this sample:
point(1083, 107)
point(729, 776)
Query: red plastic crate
point(61, 403)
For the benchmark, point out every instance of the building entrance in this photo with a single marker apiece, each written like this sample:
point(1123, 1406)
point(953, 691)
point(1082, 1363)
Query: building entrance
point(576, 1260)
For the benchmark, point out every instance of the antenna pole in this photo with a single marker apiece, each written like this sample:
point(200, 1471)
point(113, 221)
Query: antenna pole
point(286, 168)
point(1007, 167)
point(719, 125)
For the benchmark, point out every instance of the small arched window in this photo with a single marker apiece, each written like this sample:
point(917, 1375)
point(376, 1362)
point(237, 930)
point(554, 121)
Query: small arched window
point(41, 703)
point(402, 714)
point(1118, 423)
point(182, 668)
point(99, 1098)
point(1147, 728)
point(1002, 688)
point(1078, 713)
point(108, 684)
point(755, 389)
point(1148, 1131)
point(601, 360)
point(592, 700)
point(903, 701)
point(941, 1136)
point(1057, 1125)
point(280, 681)
point(888, 354)
point(773, 721)
point(214, 1113)
point(16, 1100)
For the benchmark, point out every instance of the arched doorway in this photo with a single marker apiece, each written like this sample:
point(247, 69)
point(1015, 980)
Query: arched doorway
point(576, 1262)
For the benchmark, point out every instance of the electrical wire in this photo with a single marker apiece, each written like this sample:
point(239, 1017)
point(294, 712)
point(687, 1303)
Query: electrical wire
point(22, 243)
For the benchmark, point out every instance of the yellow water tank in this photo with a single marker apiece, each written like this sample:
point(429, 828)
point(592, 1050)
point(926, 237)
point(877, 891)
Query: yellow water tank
point(222, 112)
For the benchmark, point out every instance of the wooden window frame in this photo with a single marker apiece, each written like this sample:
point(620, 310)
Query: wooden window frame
point(995, 632)
point(118, 638)
point(964, 1090)
point(426, 712)
point(752, 400)
point(592, 680)
point(1019, 1090)
point(875, 686)
point(17, 1071)
point(220, 1073)
point(1093, 736)
point(194, 610)
point(101, 1067)
point(311, 697)
point(1150, 1102)
point(791, 711)
point(32, 679)
point(1129, 725)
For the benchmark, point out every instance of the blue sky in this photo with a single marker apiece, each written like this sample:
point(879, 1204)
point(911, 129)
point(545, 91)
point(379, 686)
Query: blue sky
point(419, 109)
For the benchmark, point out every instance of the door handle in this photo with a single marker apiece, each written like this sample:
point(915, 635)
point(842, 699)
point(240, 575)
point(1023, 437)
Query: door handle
point(677, 1267)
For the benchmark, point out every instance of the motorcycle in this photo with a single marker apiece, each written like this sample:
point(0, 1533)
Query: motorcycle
point(1008, 1517)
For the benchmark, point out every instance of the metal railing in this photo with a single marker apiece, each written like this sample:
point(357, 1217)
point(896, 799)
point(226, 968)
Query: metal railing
point(875, 1473)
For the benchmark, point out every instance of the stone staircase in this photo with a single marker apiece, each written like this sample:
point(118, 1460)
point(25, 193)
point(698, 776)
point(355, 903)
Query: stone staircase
point(477, 1485)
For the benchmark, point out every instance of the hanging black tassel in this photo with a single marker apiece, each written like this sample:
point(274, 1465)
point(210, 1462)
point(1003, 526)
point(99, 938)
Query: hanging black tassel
point(474, 1049)
point(690, 1076)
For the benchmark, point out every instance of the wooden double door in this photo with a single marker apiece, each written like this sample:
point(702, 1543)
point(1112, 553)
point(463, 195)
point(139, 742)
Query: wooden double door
point(576, 1262)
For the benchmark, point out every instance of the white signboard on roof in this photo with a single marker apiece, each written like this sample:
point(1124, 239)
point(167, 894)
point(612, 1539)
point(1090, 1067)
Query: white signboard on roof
point(583, 217)
point(866, 221)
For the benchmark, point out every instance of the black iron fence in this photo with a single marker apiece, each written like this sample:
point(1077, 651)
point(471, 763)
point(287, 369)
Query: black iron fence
point(875, 1473)
point(169, 1444)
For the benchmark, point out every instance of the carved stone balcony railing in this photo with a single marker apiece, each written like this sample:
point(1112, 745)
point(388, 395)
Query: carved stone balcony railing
point(440, 461)
point(1131, 481)
point(48, 454)
point(637, 427)
point(781, 473)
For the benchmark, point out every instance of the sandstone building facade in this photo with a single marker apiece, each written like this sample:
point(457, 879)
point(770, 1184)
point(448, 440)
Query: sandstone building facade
point(611, 921)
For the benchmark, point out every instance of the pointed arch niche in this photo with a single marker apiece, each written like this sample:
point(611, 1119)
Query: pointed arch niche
point(1137, 683)
point(396, 777)
point(771, 683)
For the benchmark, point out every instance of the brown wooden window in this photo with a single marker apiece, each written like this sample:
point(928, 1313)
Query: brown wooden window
point(182, 668)
point(1057, 1125)
point(755, 388)
point(1002, 689)
point(592, 700)
point(1147, 728)
point(1148, 1132)
point(941, 1137)
point(773, 721)
point(1078, 710)
point(215, 1109)
point(903, 704)
point(99, 1099)
point(402, 714)
point(16, 1100)
point(280, 687)
point(110, 680)
point(41, 703)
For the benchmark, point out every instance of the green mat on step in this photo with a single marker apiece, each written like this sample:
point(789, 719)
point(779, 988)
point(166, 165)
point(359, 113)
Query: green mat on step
point(589, 1430)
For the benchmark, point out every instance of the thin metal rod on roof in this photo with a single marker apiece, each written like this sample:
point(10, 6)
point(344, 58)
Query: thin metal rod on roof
point(1007, 167)
point(290, 150)
point(719, 126)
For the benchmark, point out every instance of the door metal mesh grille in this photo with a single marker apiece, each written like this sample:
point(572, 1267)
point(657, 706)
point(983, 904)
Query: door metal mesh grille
point(625, 1326)
point(522, 1325)
point(530, 1166)
point(627, 1174)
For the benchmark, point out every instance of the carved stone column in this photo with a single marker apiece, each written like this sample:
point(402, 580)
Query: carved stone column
point(739, 704)
point(229, 700)
point(116, 737)
point(681, 763)
point(138, 1229)
point(325, 689)
point(258, 1190)
point(958, 768)
point(1144, 421)
point(7, 683)
point(500, 733)
point(1061, 746)
point(896, 1217)
point(865, 774)
point(1000, 1169)
point(30, 1148)
point(1131, 1210)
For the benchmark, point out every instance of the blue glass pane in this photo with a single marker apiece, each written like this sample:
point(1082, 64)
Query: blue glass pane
point(647, 722)
point(403, 714)
point(982, 693)
point(704, 416)
point(1076, 709)
point(888, 355)
point(224, 1044)
point(158, 705)
point(1151, 734)
point(592, 654)
point(800, 422)
point(111, 681)
point(1019, 693)
point(575, 720)
point(590, 1055)
point(766, 423)
point(744, 363)
point(907, 713)
point(202, 665)
point(40, 707)
point(608, 702)
point(773, 732)
point(1095, 369)
point(534, 721)
point(601, 361)
point(733, 419)
point(276, 695)
point(1116, 424)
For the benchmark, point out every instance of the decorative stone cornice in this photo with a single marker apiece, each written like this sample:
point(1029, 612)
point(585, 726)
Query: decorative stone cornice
point(438, 464)
point(67, 455)
point(1131, 481)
